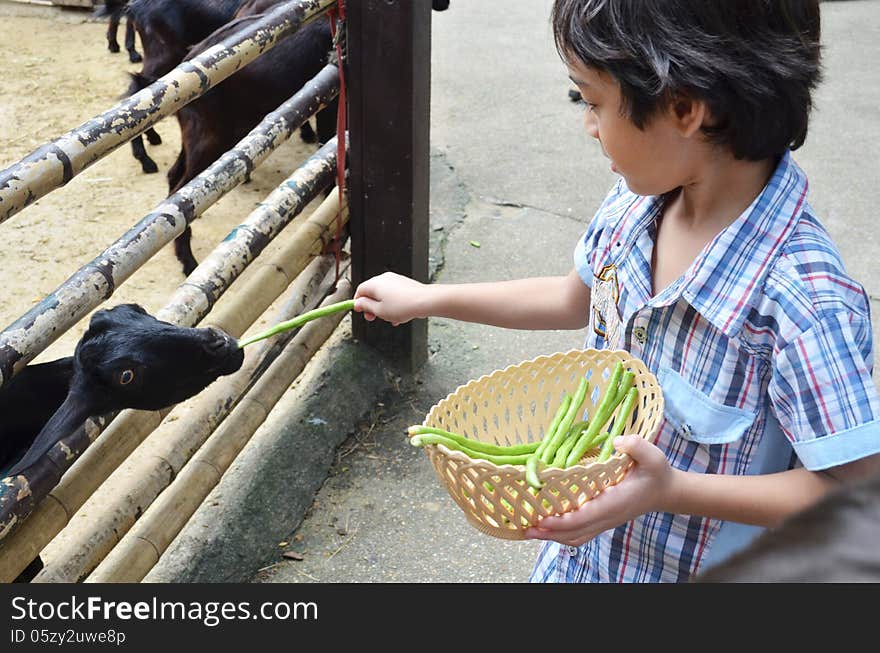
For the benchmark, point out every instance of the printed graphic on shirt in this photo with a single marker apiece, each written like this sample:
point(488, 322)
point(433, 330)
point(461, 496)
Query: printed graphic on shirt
point(606, 318)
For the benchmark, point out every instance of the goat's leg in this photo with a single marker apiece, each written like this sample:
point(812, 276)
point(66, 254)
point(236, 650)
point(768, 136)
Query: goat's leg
point(140, 153)
point(177, 171)
point(133, 55)
point(112, 28)
point(140, 81)
point(325, 121)
point(306, 133)
point(183, 251)
point(203, 140)
point(178, 176)
point(153, 136)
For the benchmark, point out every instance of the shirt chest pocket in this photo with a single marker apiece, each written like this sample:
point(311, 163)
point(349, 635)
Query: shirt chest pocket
point(697, 417)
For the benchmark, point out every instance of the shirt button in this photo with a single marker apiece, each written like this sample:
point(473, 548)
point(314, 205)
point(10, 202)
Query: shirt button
point(640, 334)
point(572, 551)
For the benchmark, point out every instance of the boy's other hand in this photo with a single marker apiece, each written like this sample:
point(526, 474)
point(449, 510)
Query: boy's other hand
point(644, 489)
point(391, 297)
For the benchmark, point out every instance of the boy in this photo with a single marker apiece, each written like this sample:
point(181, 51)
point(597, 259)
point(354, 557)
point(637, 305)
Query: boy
point(707, 262)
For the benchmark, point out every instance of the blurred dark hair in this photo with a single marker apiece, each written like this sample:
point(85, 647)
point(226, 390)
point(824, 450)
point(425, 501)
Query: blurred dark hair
point(754, 62)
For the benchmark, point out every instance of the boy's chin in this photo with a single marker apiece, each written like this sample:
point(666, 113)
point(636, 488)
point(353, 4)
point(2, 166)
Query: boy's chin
point(645, 190)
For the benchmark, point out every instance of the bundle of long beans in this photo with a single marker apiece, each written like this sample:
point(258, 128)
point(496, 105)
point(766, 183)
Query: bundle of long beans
point(565, 442)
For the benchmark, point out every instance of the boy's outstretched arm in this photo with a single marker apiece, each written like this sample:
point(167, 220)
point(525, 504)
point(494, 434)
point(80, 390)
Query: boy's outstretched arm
point(536, 304)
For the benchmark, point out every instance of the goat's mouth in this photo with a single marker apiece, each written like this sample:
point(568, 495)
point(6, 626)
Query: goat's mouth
point(224, 349)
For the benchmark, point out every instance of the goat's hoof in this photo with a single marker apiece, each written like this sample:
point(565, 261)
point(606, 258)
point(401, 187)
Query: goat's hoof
point(153, 138)
point(149, 166)
point(113, 47)
point(189, 267)
point(135, 57)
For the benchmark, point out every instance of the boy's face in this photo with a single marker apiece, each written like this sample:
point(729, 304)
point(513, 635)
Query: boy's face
point(653, 160)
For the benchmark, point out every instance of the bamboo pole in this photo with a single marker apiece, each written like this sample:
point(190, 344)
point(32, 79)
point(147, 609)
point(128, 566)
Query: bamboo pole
point(131, 427)
point(55, 163)
point(140, 549)
point(111, 509)
point(194, 298)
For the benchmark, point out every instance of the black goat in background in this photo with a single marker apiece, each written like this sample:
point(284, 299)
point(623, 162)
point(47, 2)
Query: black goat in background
point(167, 29)
point(215, 122)
point(114, 11)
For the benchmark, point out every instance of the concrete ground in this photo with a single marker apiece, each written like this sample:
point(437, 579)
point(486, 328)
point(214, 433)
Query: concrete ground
point(331, 481)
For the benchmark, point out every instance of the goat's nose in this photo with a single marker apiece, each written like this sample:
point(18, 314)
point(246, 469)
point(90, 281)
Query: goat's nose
point(218, 341)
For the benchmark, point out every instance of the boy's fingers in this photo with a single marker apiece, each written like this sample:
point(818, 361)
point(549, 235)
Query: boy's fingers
point(365, 305)
point(365, 289)
point(635, 446)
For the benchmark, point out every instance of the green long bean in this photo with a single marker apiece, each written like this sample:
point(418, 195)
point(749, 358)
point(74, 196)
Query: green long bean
point(610, 400)
point(562, 431)
point(476, 445)
point(622, 416)
point(626, 382)
point(449, 443)
point(554, 424)
point(573, 434)
point(532, 471)
point(298, 321)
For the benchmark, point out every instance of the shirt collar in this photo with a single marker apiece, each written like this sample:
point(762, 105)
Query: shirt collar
point(724, 281)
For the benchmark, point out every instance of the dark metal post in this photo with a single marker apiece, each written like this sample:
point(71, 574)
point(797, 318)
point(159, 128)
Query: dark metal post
point(389, 83)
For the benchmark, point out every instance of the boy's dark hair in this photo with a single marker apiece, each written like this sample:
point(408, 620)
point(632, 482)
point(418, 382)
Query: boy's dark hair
point(754, 62)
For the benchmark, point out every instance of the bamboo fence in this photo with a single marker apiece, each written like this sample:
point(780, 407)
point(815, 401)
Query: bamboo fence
point(91, 507)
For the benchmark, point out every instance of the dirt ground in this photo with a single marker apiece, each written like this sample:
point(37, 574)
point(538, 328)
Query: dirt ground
point(58, 73)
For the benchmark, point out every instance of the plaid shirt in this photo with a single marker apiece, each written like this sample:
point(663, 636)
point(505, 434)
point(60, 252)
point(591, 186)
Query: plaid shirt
point(763, 350)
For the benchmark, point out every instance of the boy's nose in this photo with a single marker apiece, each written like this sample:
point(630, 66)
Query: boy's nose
point(590, 124)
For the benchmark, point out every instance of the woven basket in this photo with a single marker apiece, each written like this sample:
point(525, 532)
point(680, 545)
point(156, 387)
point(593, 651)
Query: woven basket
point(515, 405)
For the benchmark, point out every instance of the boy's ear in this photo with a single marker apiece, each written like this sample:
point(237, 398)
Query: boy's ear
point(688, 114)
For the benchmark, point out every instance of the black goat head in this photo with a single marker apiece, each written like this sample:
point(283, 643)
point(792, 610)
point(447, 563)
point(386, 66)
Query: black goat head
point(129, 359)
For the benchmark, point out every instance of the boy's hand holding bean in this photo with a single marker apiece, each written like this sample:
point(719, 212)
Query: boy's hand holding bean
point(648, 487)
point(391, 297)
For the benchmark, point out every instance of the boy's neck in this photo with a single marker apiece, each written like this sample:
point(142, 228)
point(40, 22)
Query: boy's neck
point(701, 208)
point(720, 191)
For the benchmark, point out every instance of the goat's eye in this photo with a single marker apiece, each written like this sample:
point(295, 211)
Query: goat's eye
point(126, 377)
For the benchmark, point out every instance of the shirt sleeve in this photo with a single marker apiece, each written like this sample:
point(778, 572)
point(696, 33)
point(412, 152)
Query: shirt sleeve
point(588, 244)
point(823, 393)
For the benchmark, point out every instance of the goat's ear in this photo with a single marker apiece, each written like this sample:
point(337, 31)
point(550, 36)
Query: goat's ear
point(101, 319)
point(136, 307)
point(99, 322)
